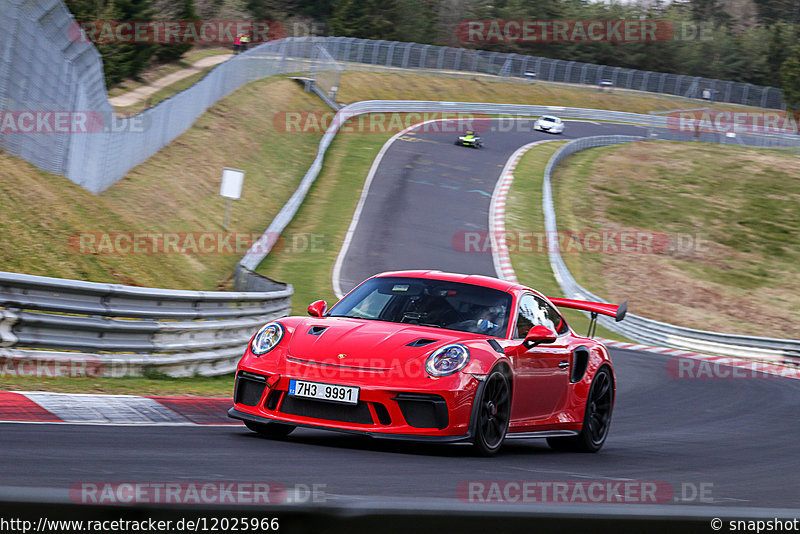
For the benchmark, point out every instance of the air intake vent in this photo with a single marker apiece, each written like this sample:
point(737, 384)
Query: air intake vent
point(317, 330)
point(421, 342)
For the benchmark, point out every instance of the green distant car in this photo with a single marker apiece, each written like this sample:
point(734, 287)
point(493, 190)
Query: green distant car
point(469, 139)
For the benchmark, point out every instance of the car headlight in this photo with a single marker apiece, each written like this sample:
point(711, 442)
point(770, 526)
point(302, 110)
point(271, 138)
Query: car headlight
point(447, 360)
point(267, 338)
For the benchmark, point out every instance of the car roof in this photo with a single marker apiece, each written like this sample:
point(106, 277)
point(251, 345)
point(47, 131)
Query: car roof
point(474, 279)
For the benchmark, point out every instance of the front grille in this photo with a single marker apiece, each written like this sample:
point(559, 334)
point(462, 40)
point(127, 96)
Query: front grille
point(330, 411)
point(423, 410)
point(248, 390)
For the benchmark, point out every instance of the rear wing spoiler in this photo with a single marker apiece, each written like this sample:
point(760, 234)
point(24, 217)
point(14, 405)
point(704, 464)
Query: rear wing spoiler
point(612, 310)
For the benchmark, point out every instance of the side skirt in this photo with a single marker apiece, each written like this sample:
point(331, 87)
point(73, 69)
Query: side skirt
point(543, 434)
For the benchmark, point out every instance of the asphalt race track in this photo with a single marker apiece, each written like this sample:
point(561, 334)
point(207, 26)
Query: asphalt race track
point(427, 190)
point(739, 435)
point(738, 438)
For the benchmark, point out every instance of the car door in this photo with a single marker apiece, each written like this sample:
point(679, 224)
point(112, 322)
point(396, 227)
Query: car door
point(542, 373)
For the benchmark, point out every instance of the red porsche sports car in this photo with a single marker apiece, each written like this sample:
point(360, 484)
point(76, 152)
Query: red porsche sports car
point(427, 355)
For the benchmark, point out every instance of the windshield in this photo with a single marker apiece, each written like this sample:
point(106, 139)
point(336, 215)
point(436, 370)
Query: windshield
point(549, 119)
point(436, 303)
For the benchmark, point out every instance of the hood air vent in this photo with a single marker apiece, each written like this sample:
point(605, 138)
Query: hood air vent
point(421, 342)
point(317, 330)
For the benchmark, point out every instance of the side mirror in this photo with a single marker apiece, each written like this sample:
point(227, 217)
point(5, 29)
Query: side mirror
point(537, 335)
point(317, 308)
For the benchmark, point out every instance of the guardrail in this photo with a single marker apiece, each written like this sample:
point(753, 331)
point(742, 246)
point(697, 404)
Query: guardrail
point(58, 327)
point(262, 247)
point(640, 328)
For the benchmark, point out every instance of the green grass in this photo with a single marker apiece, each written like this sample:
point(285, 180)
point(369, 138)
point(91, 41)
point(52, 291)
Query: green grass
point(524, 217)
point(737, 208)
point(177, 190)
point(324, 217)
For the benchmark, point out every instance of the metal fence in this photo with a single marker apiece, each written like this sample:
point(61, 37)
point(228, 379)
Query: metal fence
point(64, 73)
point(57, 327)
point(640, 328)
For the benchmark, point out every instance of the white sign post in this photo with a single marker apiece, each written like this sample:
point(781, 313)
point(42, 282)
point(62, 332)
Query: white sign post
point(231, 189)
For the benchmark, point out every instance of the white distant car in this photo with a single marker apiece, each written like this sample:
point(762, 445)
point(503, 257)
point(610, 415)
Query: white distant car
point(548, 123)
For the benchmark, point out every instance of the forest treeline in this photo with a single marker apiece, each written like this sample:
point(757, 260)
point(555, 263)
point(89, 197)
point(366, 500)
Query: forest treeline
point(754, 41)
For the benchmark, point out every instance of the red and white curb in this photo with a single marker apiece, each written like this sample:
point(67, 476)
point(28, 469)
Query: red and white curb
point(505, 270)
point(497, 214)
point(45, 407)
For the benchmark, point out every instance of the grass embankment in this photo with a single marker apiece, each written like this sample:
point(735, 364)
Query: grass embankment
point(724, 222)
point(524, 219)
point(357, 86)
point(177, 190)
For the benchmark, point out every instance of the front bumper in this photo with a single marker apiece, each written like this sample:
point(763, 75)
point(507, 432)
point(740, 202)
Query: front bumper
point(420, 408)
point(244, 416)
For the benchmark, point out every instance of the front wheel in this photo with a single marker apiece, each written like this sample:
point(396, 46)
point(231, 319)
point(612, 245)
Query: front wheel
point(494, 413)
point(596, 419)
point(270, 430)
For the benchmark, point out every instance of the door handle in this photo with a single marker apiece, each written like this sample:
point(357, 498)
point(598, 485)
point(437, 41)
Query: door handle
point(563, 365)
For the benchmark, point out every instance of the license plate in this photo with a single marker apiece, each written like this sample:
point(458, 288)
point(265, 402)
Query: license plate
point(326, 392)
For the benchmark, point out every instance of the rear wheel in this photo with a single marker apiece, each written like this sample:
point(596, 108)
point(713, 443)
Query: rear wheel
point(494, 410)
point(270, 430)
point(596, 419)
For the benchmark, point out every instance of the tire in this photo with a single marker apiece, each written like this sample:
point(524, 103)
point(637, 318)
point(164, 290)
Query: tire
point(493, 414)
point(596, 418)
point(270, 430)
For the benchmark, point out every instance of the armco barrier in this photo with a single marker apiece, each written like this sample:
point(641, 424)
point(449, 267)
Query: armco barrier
point(640, 328)
point(635, 327)
point(262, 247)
point(57, 327)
